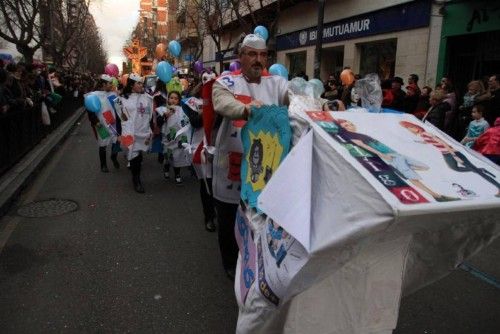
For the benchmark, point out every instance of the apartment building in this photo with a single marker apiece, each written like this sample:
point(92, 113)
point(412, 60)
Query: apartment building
point(156, 25)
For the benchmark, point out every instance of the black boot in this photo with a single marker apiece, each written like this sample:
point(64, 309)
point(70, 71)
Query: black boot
point(102, 158)
point(114, 159)
point(136, 179)
point(135, 167)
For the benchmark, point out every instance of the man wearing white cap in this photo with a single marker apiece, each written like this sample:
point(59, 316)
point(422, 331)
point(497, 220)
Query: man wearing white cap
point(233, 97)
point(104, 123)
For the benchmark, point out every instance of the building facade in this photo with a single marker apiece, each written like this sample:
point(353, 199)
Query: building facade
point(190, 32)
point(393, 38)
point(156, 25)
point(470, 47)
point(153, 16)
point(390, 38)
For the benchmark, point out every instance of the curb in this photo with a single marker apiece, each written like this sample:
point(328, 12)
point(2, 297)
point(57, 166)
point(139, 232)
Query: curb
point(16, 179)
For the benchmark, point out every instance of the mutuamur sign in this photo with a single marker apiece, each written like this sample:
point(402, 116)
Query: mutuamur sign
point(411, 15)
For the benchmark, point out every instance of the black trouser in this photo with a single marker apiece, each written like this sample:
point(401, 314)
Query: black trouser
point(226, 217)
point(207, 200)
point(177, 170)
point(135, 167)
point(102, 155)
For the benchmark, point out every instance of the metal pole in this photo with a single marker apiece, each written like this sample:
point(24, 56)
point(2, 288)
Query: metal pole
point(319, 39)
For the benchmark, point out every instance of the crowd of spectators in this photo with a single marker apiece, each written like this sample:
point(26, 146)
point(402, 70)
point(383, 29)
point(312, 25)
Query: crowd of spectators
point(25, 86)
point(462, 115)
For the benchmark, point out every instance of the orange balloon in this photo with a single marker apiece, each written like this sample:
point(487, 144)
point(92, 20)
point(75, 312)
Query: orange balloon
point(124, 79)
point(347, 77)
point(160, 50)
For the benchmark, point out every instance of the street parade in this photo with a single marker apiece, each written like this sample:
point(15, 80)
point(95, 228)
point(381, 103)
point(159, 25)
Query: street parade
point(225, 167)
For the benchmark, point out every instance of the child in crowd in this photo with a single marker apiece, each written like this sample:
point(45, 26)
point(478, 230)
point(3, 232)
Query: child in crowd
point(174, 121)
point(475, 93)
point(488, 144)
point(477, 126)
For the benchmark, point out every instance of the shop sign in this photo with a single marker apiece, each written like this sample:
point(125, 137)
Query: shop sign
point(411, 15)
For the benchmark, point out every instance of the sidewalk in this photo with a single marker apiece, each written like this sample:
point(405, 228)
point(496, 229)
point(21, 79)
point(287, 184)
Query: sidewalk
point(13, 182)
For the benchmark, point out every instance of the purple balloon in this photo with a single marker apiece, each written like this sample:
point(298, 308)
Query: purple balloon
point(198, 66)
point(234, 66)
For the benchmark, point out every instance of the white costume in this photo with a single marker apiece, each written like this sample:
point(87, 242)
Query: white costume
point(136, 113)
point(107, 119)
point(227, 159)
point(176, 132)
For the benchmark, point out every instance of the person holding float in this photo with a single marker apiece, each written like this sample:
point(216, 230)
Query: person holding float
point(233, 97)
point(136, 110)
point(103, 120)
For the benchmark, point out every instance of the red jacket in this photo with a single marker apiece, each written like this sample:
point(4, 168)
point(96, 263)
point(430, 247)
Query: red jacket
point(489, 142)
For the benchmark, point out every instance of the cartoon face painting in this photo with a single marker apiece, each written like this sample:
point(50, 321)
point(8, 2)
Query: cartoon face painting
point(256, 156)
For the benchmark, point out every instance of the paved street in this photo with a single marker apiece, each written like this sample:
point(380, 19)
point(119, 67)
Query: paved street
point(125, 262)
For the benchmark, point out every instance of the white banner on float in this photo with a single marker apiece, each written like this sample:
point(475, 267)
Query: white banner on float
point(414, 169)
point(376, 200)
point(408, 162)
point(295, 172)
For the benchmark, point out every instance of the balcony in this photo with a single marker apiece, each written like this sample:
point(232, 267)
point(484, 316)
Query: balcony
point(188, 33)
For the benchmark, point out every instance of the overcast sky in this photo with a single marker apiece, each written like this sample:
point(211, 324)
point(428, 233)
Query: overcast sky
point(115, 20)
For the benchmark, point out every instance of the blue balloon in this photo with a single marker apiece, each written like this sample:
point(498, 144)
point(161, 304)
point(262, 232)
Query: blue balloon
point(164, 71)
point(92, 103)
point(262, 32)
point(174, 48)
point(278, 69)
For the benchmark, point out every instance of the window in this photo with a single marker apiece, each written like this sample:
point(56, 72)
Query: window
point(297, 63)
point(378, 57)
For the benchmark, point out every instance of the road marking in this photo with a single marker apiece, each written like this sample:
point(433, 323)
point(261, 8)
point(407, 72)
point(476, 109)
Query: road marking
point(479, 274)
point(34, 190)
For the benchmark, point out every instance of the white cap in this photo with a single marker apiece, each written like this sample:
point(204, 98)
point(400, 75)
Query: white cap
point(106, 77)
point(136, 77)
point(254, 41)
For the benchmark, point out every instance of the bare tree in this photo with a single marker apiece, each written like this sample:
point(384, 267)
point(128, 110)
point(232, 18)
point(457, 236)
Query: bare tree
point(20, 22)
point(66, 22)
point(191, 22)
point(212, 17)
point(251, 13)
point(84, 60)
point(145, 35)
